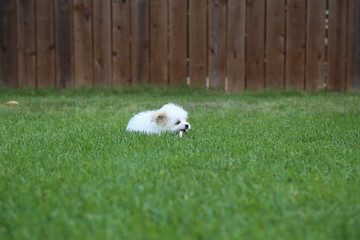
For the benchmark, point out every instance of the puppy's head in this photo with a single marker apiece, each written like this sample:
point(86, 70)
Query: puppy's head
point(171, 118)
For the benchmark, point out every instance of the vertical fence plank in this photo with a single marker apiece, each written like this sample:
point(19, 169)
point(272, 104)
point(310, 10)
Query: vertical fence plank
point(158, 42)
point(45, 43)
point(315, 45)
point(236, 45)
point(102, 42)
point(26, 43)
point(2, 75)
point(198, 43)
point(295, 44)
point(337, 45)
point(2, 54)
point(351, 40)
point(357, 46)
point(217, 43)
point(255, 44)
point(178, 42)
point(8, 42)
point(2, 46)
point(121, 43)
point(140, 42)
point(63, 38)
point(275, 44)
point(83, 44)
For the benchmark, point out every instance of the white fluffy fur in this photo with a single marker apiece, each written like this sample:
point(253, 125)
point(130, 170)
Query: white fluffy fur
point(170, 117)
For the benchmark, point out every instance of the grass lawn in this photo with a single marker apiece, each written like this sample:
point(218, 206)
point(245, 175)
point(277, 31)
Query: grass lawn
point(264, 165)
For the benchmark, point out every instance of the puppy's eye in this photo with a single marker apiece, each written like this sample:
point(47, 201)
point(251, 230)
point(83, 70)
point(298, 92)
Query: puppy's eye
point(177, 122)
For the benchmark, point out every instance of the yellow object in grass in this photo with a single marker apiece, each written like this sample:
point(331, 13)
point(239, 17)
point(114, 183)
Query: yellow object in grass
point(12, 103)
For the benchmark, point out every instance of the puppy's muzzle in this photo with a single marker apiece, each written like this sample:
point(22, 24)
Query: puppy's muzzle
point(185, 130)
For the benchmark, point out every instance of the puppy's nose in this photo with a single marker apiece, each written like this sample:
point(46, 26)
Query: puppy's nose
point(186, 126)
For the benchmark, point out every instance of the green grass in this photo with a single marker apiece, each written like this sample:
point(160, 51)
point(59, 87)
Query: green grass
point(263, 165)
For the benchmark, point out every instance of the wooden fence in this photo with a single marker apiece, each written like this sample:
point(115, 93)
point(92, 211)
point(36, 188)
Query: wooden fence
point(227, 44)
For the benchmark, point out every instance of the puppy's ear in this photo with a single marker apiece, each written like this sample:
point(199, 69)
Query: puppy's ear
point(159, 118)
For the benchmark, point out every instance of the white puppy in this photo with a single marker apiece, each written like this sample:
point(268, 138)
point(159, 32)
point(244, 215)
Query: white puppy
point(170, 117)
